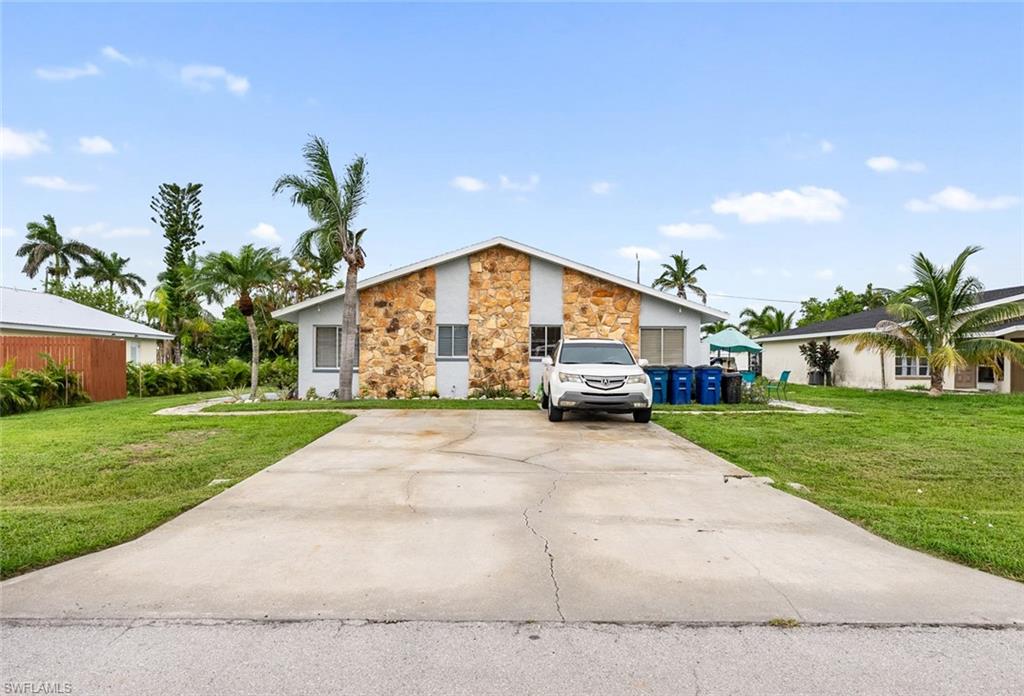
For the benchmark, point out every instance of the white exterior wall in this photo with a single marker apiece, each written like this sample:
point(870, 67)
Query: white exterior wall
point(658, 313)
point(452, 296)
point(323, 380)
point(546, 305)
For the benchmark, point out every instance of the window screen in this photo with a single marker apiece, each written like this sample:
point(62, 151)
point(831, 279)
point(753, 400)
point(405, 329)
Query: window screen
point(452, 341)
point(327, 354)
point(662, 346)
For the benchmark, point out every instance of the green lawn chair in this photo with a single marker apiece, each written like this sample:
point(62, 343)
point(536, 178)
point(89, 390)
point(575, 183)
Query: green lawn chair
point(779, 386)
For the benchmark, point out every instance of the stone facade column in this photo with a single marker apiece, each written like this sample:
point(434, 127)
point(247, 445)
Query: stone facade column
point(595, 308)
point(499, 319)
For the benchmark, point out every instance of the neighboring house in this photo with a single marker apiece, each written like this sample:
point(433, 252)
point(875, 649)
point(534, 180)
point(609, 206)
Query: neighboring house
point(868, 369)
point(29, 313)
point(484, 316)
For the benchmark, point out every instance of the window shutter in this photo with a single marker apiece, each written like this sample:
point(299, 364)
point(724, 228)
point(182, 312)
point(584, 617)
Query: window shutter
point(673, 346)
point(326, 347)
point(650, 345)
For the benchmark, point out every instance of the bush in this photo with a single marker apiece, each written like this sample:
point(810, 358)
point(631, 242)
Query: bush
point(756, 393)
point(193, 376)
point(26, 390)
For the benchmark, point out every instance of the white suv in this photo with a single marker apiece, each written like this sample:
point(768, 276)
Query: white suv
point(595, 374)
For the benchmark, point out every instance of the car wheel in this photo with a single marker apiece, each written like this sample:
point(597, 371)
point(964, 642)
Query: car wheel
point(554, 413)
point(544, 399)
point(642, 415)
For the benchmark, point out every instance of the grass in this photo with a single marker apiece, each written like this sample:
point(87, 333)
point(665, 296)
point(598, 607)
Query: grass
point(474, 404)
point(80, 479)
point(945, 475)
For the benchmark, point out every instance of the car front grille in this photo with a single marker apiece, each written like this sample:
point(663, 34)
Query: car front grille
point(604, 383)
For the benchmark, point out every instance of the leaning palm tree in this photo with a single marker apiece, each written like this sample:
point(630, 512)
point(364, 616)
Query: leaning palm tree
point(332, 205)
point(679, 276)
point(110, 269)
point(935, 317)
point(769, 320)
point(241, 274)
point(45, 245)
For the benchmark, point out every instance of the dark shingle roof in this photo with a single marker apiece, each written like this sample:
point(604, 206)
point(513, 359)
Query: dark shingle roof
point(868, 319)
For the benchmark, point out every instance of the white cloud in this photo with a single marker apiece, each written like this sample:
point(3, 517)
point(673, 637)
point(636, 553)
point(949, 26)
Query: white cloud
point(206, 77)
point(111, 53)
point(809, 204)
point(21, 143)
point(956, 198)
point(122, 232)
point(685, 230)
point(645, 253)
point(468, 183)
point(6, 232)
point(56, 183)
point(601, 188)
point(69, 73)
point(825, 146)
point(521, 186)
point(102, 230)
point(95, 145)
point(87, 230)
point(884, 163)
point(266, 232)
point(824, 274)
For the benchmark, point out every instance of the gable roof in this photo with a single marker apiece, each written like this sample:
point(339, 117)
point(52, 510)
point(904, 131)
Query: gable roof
point(868, 319)
point(26, 310)
point(287, 313)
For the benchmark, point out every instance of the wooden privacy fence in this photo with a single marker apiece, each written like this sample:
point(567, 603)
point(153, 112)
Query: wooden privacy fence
point(100, 361)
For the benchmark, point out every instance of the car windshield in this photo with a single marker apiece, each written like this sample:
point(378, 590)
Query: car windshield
point(595, 353)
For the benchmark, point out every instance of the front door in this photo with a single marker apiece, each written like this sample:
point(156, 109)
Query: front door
point(966, 378)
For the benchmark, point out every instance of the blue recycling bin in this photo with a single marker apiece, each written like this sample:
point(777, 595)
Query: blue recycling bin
point(659, 383)
point(709, 384)
point(680, 381)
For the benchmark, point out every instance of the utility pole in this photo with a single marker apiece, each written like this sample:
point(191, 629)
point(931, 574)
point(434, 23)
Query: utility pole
point(638, 268)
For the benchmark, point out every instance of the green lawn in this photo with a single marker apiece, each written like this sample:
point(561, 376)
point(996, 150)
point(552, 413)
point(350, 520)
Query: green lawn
point(486, 404)
point(80, 479)
point(945, 475)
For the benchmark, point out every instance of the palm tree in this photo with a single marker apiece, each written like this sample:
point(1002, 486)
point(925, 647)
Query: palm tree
point(45, 244)
point(110, 269)
point(680, 277)
point(332, 205)
point(715, 327)
point(935, 318)
point(243, 273)
point(769, 320)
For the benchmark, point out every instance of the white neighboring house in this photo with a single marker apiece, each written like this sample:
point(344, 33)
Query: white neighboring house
point(29, 313)
point(867, 369)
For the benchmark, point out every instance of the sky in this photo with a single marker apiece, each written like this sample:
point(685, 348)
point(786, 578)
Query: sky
point(789, 148)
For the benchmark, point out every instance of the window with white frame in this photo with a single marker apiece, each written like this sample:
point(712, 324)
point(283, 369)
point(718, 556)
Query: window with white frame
point(662, 345)
point(133, 352)
point(452, 341)
point(911, 366)
point(543, 340)
point(327, 348)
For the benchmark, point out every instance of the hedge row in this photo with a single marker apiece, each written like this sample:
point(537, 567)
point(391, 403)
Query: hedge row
point(194, 376)
point(30, 390)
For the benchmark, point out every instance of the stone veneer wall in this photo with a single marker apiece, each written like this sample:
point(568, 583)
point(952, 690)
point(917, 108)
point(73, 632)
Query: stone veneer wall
point(595, 308)
point(397, 335)
point(499, 319)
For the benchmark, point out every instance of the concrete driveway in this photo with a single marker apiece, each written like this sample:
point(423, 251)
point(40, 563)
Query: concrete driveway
point(491, 515)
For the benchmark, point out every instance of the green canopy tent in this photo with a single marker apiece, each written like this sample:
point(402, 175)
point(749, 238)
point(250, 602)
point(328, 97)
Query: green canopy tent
point(734, 341)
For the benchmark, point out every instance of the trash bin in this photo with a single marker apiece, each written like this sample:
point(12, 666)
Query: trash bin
point(680, 381)
point(732, 387)
point(659, 383)
point(709, 384)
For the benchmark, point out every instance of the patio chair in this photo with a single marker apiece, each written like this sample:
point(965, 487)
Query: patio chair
point(748, 376)
point(779, 386)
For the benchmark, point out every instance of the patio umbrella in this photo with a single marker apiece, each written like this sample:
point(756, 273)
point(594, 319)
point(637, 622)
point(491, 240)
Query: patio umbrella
point(733, 341)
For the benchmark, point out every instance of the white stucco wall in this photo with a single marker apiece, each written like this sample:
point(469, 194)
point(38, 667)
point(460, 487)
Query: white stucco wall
point(324, 381)
point(546, 305)
point(452, 295)
point(655, 313)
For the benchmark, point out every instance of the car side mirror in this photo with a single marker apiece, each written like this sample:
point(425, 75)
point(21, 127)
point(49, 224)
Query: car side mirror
point(547, 361)
point(642, 362)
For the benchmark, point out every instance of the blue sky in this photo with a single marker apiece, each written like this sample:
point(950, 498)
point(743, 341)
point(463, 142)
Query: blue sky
point(789, 148)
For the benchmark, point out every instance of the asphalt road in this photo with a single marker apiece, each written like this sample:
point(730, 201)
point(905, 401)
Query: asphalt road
point(337, 657)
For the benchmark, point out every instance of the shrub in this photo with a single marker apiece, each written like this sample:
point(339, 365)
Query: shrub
point(756, 393)
point(26, 390)
point(193, 376)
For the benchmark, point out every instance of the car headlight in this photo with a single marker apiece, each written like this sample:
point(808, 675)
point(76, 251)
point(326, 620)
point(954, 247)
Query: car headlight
point(636, 379)
point(566, 377)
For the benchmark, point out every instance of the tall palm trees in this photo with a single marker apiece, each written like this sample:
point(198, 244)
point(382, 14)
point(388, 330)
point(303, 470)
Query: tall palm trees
point(110, 269)
point(680, 276)
point(241, 274)
point(936, 319)
point(332, 205)
point(45, 245)
point(768, 321)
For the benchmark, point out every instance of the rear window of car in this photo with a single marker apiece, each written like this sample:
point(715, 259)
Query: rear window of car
point(595, 353)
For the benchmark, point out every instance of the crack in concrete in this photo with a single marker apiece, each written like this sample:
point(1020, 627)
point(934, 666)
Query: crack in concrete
point(547, 549)
point(408, 491)
point(765, 578)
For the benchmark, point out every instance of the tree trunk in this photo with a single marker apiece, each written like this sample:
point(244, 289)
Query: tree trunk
point(349, 330)
point(254, 370)
point(936, 382)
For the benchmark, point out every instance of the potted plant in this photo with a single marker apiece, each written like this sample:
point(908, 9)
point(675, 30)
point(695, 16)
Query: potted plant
point(820, 358)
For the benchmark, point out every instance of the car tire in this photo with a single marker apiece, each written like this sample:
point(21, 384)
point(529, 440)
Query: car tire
point(642, 415)
point(544, 400)
point(554, 413)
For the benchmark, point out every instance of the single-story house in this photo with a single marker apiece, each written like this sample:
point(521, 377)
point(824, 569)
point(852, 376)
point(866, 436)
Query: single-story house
point(30, 313)
point(868, 369)
point(484, 316)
